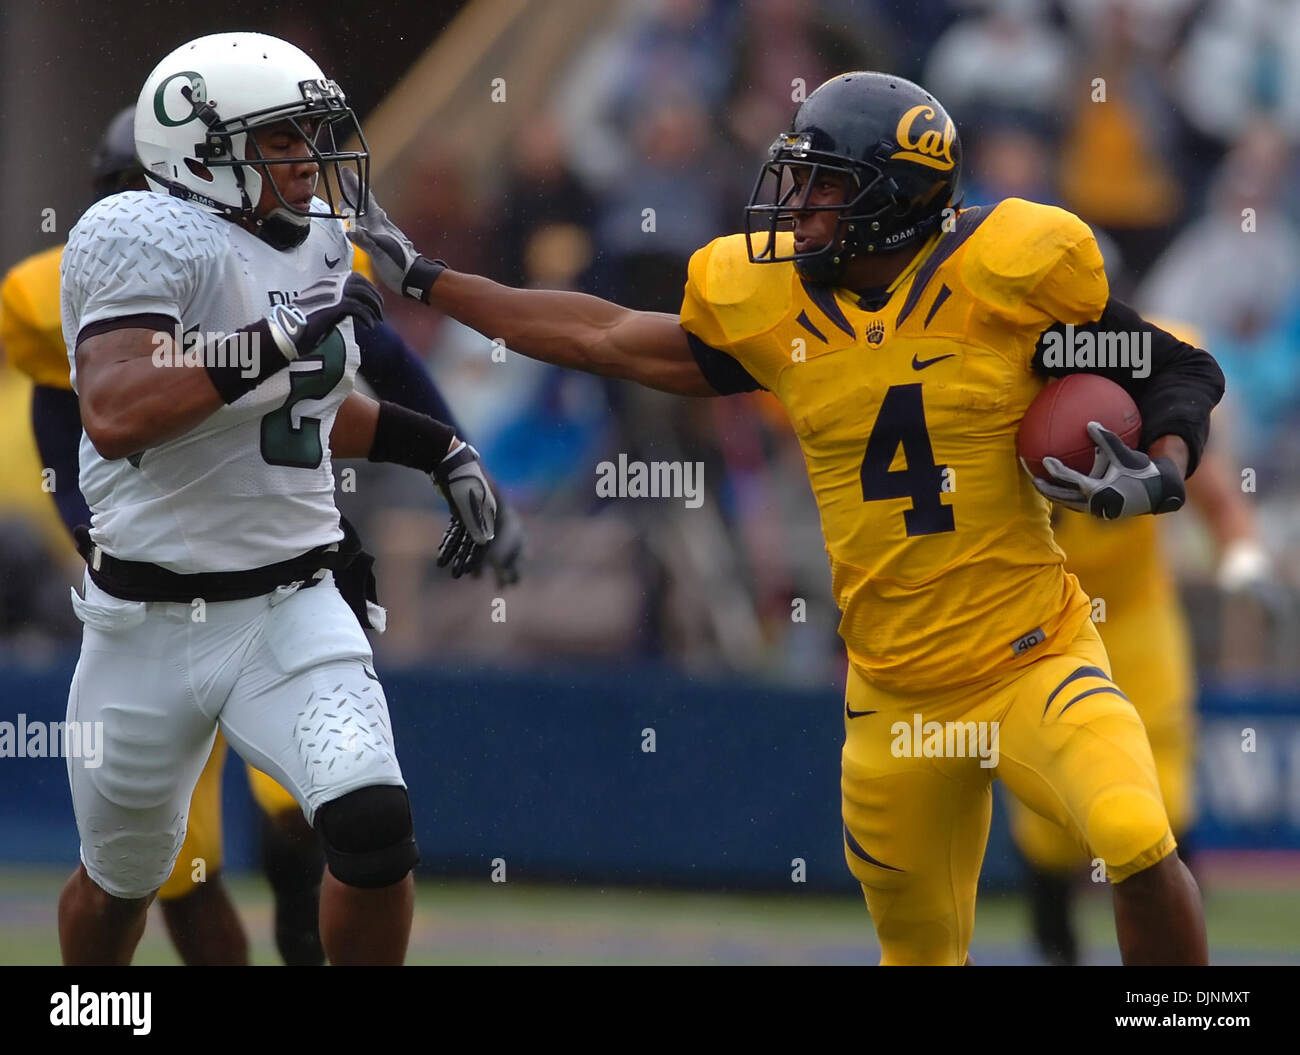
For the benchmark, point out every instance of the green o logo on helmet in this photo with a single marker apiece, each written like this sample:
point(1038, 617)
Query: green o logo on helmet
point(198, 96)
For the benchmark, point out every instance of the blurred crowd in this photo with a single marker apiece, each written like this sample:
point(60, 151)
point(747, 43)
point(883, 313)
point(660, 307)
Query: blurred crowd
point(1170, 126)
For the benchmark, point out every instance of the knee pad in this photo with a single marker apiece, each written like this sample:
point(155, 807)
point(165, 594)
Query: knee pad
point(131, 865)
point(368, 835)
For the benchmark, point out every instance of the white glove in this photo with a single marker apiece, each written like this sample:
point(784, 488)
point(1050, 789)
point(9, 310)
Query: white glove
point(464, 485)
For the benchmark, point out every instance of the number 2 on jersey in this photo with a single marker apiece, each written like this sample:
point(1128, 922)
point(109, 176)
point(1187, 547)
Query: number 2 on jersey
point(299, 446)
point(901, 422)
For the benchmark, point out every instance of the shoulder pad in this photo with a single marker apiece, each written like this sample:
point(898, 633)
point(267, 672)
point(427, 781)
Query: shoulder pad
point(731, 298)
point(168, 226)
point(1037, 256)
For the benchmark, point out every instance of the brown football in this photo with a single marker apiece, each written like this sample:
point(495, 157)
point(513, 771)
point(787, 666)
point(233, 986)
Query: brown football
point(1056, 422)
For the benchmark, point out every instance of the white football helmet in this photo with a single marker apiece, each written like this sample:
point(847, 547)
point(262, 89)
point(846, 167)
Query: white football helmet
point(195, 112)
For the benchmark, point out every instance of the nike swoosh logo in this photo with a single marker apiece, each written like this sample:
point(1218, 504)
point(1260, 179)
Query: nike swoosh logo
point(291, 320)
point(331, 263)
point(855, 714)
point(921, 364)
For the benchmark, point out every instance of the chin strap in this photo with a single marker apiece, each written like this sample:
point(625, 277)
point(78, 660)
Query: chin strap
point(281, 232)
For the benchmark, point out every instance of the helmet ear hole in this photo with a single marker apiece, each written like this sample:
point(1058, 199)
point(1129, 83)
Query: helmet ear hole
point(201, 171)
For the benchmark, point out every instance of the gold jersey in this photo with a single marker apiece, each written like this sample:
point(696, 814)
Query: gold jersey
point(941, 552)
point(31, 326)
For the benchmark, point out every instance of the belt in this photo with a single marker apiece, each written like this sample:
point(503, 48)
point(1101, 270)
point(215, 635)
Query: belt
point(133, 580)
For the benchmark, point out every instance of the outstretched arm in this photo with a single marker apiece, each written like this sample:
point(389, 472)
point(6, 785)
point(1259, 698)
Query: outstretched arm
point(576, 330)
point(567, 329)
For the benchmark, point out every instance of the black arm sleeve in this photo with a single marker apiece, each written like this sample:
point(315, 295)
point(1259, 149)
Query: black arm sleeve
point(720, 370)
point(1179, 385)
point(56, 422)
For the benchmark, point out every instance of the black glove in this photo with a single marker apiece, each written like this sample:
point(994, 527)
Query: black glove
point(298, 328)
point(1123, 482)
point(295, 330)
point(461, 480)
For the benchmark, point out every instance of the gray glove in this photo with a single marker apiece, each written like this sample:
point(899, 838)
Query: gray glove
point(461, 480)
point(298, 328)
point(1123, 482)
point(398, 265)
point(506, 552)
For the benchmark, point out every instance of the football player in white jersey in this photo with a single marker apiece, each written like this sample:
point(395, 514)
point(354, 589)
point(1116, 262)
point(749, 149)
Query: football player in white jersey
point(210, 330)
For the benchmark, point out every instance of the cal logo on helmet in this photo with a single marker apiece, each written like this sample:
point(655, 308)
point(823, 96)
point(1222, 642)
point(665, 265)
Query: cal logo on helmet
point(890, 144)
point(925, 145)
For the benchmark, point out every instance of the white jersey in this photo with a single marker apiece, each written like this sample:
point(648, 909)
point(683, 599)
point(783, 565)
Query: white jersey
point(252, 484)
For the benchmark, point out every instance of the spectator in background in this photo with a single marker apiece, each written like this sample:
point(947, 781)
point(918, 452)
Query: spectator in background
point(1011, 56)
point(1121, 140)
point(543, 237)
point(793, 44)
point(677, 45)
point(1012, 154)
point(1242, 288)
point(1242, 59)
point(645, 253)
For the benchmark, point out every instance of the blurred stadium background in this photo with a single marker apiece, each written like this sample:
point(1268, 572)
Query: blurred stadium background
point(522, 740)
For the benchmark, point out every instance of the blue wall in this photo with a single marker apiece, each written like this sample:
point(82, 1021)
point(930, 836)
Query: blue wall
point(546, 770)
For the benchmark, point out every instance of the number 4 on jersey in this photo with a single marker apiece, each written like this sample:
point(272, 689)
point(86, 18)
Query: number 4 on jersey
point(902, 423)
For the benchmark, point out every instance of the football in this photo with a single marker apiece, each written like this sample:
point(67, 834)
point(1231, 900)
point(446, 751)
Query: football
point(1056, 422)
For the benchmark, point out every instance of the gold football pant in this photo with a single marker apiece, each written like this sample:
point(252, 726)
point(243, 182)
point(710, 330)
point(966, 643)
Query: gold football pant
point(1151, 660)
point(917, 788)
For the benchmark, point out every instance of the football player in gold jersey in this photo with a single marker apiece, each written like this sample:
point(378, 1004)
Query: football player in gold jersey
point(905, 339)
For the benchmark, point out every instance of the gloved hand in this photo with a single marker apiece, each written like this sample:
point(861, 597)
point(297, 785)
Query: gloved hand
point(398, 265)
point(1123, 482)
point(461, 480)
point(298, 328)
point(506, 551)
point(1246, 570)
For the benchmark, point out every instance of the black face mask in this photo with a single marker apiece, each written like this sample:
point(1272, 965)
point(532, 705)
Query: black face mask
point(282, 230)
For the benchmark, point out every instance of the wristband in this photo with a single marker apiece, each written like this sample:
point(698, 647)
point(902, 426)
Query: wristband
point(421, 276)
point(404, 437)
point(232, 378)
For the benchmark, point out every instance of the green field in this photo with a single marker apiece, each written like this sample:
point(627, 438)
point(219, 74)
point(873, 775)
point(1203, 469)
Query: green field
point(1252, 919)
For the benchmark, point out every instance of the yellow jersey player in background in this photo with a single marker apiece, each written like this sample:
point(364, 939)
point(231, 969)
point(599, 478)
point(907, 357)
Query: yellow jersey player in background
point(1124, 569)
point(904, 338)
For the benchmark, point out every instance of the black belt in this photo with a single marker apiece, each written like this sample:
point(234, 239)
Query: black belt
point(133, 580)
